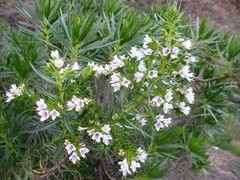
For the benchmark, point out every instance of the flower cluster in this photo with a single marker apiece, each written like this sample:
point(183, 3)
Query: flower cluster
point(14, 92)
point(77, 103)
point(44, 112)
point(167, 69)
point(104, 135)
point(162, 122)
point(71, 150)
point(59, 63)
point(128, 168)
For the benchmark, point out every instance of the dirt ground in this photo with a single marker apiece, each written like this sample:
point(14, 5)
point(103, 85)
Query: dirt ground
point(226, 15)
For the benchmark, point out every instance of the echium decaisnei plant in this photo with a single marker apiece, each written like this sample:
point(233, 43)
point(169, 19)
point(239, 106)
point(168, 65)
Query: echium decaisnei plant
point(151, 84)
point(94, 94)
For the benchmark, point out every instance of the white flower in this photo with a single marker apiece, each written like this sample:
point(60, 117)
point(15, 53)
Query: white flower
point(185, 109)
point(106, 128)
point(187, 44)
point(9, 97)
point(54, 114)
point(159, 125)
point(91, 64)
point(80, 128)
point(83, 151)
point(147, 39)
point(86, 101)
point(162, 122)
point(138, 76)
point(106, 139)
point(175, 51)
point(58, 63)
point(41, 105)
point(143, 121)
point(157, 101)
point(99, 69)
point(97, 136)
point(70, 148)
point(74, 158)
point(142, 155)
point(116, 87)
point(115, 78)
point(185, 73)
point(152, 74)
point(116, 63)
point(142, 66)
point(14, 92)
point(166, 51)
point(135, 53)
point(70, 105)
point(189, 94)
point(148, 51)
point(124, 167)
point(44, 115)
point(55, 54)
point(168, 95)
point(75, 67)
point(134, 166)
point(166, 107)
point(191, 59)
point(90, 132)
point(63, 70)
point(126, 82)
point(79, 104)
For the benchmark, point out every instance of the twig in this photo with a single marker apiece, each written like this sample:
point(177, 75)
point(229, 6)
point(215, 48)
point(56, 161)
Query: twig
point(51, 171)
point(209, 80)
point(200, 76)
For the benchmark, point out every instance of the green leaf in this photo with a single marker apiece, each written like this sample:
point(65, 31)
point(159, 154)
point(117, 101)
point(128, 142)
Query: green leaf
point(46, 78)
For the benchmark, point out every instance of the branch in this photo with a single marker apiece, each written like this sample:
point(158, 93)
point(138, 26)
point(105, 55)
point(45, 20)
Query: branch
point(48, 173)
point(200, 76)
point(209, 80)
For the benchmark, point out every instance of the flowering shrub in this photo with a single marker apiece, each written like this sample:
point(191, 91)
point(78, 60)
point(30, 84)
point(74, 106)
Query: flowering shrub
point(102, 97)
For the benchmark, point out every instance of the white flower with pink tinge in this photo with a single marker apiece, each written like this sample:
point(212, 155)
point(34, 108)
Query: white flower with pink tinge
point(189, 94)
point(152, 74)
point(134, 166)
point(168, 95)
point(44, 114)
point(14, 92)
point(70, 148)
point(55, 54)
point(124, 167)
point(83, 151)
point(138, 76)
point(157, 101)
point(106, 128)
point(59, 63)
point(74, 158)
point(54, 114)
point(185, 73)
point(97, 136)
point(142, 155)
point(106, 139)
point(41, 105)
point(187, 44)
point(185, 109)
